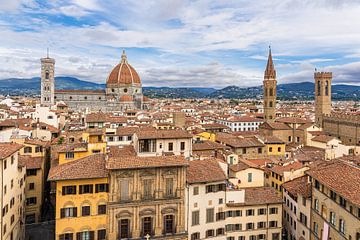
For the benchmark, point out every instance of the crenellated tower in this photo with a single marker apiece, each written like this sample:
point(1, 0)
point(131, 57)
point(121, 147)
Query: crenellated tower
point(322, 96)
point(47, 81)
point(270, 90)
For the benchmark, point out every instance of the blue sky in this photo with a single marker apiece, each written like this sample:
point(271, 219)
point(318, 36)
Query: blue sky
point(200, 43)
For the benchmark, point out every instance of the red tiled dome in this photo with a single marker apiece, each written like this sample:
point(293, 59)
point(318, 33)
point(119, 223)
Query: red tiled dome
point(123, 73)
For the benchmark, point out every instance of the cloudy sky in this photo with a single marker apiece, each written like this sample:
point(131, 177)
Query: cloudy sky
point(200, 43)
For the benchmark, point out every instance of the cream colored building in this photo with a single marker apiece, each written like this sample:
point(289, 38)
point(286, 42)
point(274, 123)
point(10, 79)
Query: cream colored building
point(335, 207)
point(163, 142)
point(12, 192)
point(297, 208)
point(244, 175)
point(205, 207)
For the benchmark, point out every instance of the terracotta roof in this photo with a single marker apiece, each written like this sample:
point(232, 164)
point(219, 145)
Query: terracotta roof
point(272, 140)
point(74, 147)
point(31, 162)
point(259, 196)
point(300, 186)
point(126, 131)
point(123, 73)
point(275, 126)
point(241, 142)
point(203, 171)
point(7, 149)
point(92, 166)
point(280, 169)
point(242, 165)
point(96, 117)
point(37, 142)
point(293, 120)
point(214, 126)
point(341, 177)
point(135, 162)
point(163, 134)
point(323, 138)
point(207, 145)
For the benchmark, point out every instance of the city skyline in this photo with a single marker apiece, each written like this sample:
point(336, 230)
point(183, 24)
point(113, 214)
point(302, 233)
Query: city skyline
point(180, 43)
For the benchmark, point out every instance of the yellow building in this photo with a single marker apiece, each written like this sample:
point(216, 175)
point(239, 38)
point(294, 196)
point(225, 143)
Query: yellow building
point(274, 146)
point(81, 198)
point(202, 136)
point(33, 157)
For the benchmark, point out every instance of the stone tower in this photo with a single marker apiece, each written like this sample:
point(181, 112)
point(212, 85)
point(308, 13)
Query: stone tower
point(269, 90)
point(47, 81)
point(322, 96)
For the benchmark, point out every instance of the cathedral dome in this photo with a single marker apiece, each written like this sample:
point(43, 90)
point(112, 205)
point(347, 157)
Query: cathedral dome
point(123, 74)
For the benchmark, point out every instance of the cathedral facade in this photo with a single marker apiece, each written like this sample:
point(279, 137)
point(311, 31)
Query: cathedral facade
point(123, 90)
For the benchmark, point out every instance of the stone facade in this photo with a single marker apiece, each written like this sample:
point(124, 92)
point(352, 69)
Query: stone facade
point(147, 201)
point(322, 96)
point(47, 81)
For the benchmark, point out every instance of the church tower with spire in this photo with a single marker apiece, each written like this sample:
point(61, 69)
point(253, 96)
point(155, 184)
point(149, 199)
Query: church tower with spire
point(47, 81)
point(269, 90)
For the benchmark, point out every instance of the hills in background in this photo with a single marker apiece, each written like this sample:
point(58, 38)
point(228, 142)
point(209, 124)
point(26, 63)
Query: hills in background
point(295, 91)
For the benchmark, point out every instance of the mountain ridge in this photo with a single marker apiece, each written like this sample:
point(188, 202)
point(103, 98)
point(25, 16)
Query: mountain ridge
point(286, 91)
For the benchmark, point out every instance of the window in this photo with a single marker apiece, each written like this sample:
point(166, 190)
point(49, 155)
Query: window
point(261, 225)
point(304, 201)
point(31, 186)
point(147, 226)
point(101, 234)
point(68, 212)
point(27, 149)
point(171, 146)
point(249, 226)
point(262, 211)
point(220, 216)
point(69, 155)
point(38, 149)
point(270, 149)
point(169, 224)
point(342, 202)
point(279, 149)
point(342, 226)
point(316, 229)
point(195, 236)
point(209, 215)
point(250, 212)
point(124, 228)
point(102, 209)
point(317, 185)
point(195, 218)
point(210, 233)
point(220, 231)
point(303, 218)
point(87, 235)
point(169, 187)
point(31, 172)
point(249, 177)
point(31, 201)
point(261, 237)
point(66, 236)
point(259, 150)
point(84, 189)
point(316, 205)
point(252, 237)
point(124, 190)
point(273, 224)
point(102, 187)
point(276, 236)
point(147, 194)
point(85, 211)
point(68, 190)
point(196, 191)
point(182, 146)
point(273, 210)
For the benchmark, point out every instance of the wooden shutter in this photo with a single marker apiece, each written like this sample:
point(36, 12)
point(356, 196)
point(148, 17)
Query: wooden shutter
point(62, 212)
point(92, 235)
point(91, 188)
point(106, 187)
point(97, 188)
point(78, 236)
point(80, 189)
point(75, 211)
point(63, 190)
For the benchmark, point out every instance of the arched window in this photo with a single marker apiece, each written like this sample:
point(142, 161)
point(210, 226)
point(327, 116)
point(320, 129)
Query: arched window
point(47, 75)
point(327, 88)
point(318, 88)
point(271, 92)
point(270, 104)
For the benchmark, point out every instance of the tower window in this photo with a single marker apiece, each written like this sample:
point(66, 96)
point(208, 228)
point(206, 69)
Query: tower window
point(318, 88)
point(327, 88)
point(112, 90)
point(270, 104)
point(47, 75)
point(271, 92)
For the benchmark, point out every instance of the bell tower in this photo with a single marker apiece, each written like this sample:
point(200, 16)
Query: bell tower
point(269, 90)
point(322, 96)
point(47, 81)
